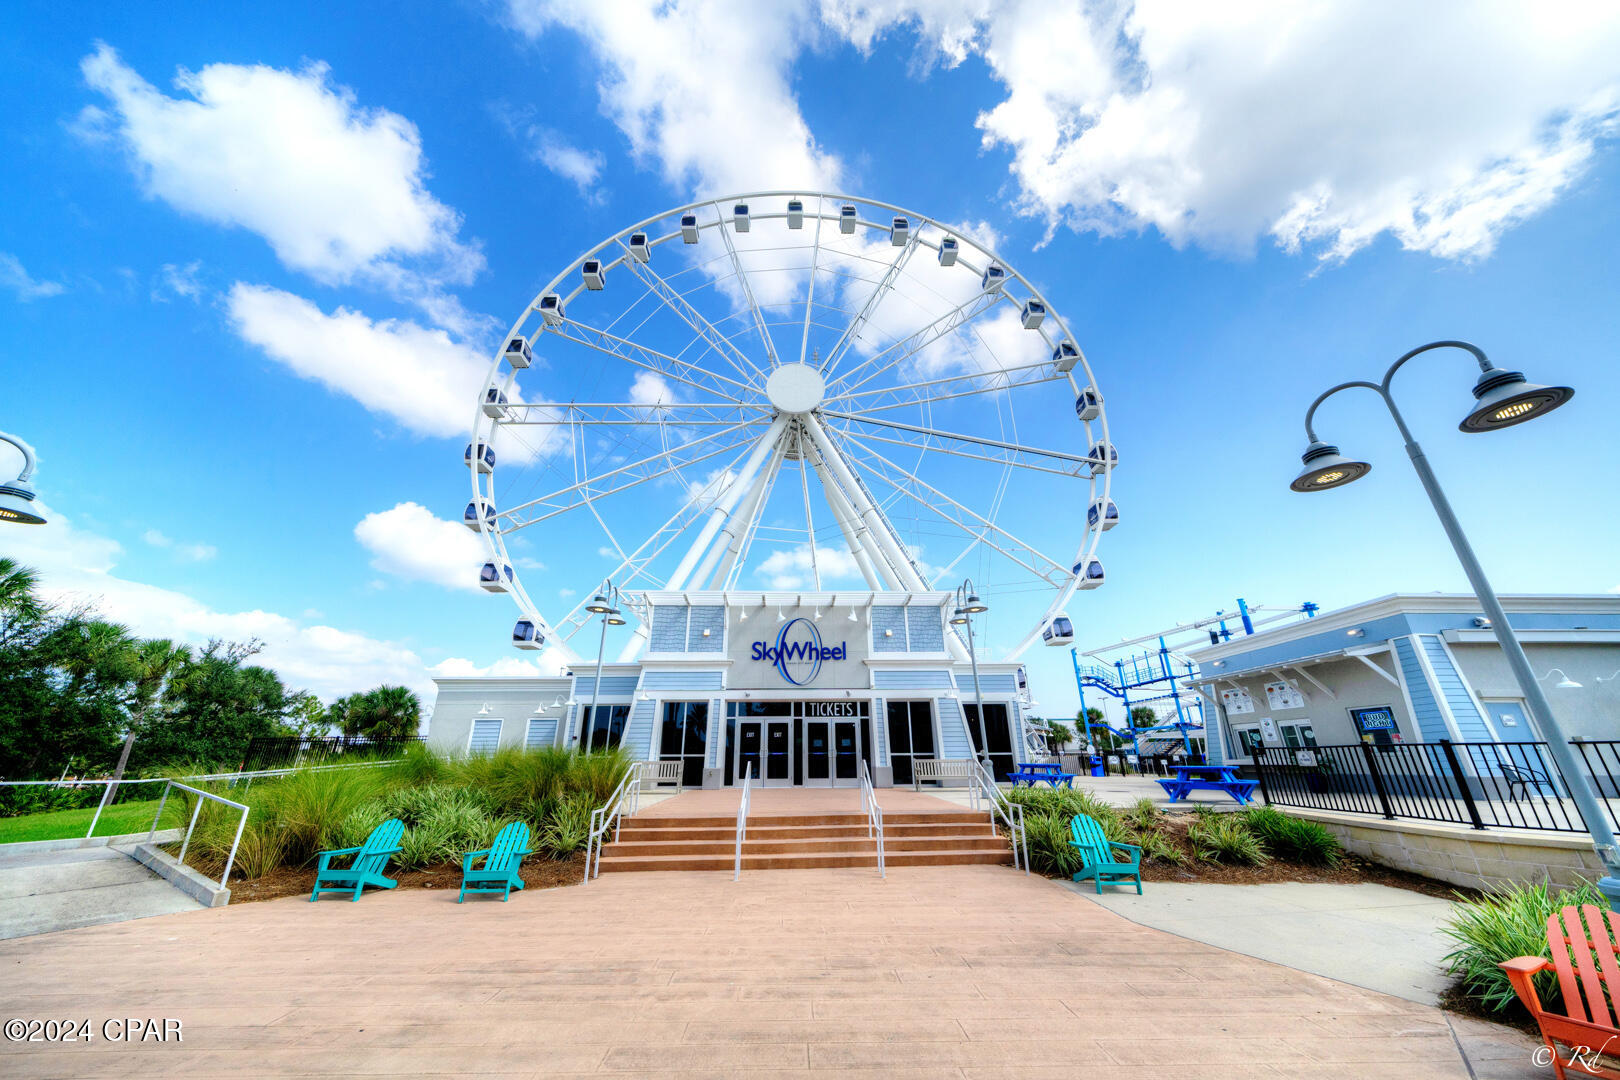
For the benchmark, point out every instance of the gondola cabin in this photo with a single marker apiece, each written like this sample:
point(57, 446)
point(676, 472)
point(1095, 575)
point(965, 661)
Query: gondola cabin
point(1107, 516)
point(1033, 315)
point(484, 454)
point(846, 219)
point(525, 636)
point(518, 353)
point(594, 273)
point(551, 309)
point(639, 250)
point(475, 509)
point(1104, 456)
point(1065, 356)
point(1090, 573)
point(1023, 681)
point(739, 216)
point(993, 279)
point(689, 229)
point(795, 214)
point(899, 232)
point(1088, 406)
point(495, 577)
point(948, 250)
point(495, 406)
point(1060, 631)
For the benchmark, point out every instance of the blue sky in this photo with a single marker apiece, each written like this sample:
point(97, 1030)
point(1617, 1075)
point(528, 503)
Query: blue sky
point(211, 219)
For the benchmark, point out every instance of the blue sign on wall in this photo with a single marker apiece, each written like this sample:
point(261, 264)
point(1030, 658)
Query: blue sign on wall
point(1381, 718)
point(798, 653)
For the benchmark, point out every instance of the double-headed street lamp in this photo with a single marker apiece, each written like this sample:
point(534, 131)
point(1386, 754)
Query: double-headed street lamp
point(1502, 399)
point(604, 603)
point(968, 605)
point(17, 496)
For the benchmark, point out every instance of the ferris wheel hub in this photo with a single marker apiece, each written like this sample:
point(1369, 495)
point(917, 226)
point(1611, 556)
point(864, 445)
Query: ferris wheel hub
point(795, 388)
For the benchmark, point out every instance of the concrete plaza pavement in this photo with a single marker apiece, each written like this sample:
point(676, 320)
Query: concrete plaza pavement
point(963, 971)
point(48, 886)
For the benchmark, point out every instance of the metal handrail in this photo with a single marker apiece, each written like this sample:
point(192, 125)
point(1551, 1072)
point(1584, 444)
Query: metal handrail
point(742, 819)
point(982, 785)
point(611, 813)
point(874, 816)
point(196, 810)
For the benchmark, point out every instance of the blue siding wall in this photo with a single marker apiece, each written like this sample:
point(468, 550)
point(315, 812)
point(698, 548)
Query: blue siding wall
point(1431, 725)
point(638, 733)
point(888, 617)
point(990, 684)
point(911, 679)
point(612, 685)
point(711, 618)
point(953, 739)
point(1470, 725)
point(927, 629)
point(880, 733)
point(682, 680)
point(668, 630)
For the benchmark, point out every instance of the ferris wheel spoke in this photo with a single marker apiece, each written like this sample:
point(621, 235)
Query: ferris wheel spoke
point(909, 346)
point(632, 413)
point(748, 294)
point(681, 371)
point(810, 303)
point(951, 387)
point(1031, 451)
point(852, 332)
point(986, 531)
point(693, 318)
point(1011, 462)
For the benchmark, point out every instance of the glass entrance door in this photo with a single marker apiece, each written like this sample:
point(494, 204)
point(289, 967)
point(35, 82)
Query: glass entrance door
point(765, 747)
point(832, 753)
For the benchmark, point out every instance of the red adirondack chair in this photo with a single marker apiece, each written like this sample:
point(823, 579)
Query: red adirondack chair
point(1589, 978)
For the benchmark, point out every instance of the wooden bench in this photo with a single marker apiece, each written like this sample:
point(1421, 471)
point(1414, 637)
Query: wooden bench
point(1031, 772)
point(938, 770)
point(1190, 778)
point(661, 774)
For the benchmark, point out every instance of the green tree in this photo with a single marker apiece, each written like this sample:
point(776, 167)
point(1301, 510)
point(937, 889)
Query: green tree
point(1058, 735)
point(214, 705)
point(1143, 717)
point(388, 712)
point(307, 717)
point(156, 660)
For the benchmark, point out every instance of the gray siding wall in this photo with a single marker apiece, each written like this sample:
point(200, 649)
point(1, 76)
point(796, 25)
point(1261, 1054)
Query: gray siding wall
point(711, 618)
point(911, 679)
point(683, 680)
point(888, 617)
point(668, 630)
point(926, 627)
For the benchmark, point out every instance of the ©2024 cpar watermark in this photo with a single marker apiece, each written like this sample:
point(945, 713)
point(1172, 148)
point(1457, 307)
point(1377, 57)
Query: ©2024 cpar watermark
point(126, 1029)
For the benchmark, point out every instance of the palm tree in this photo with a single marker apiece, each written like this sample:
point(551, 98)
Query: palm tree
point(388, 712)
point(156, 661)
point(18, 602)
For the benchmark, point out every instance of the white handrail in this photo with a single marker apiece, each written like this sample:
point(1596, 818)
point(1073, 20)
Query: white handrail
point(982, 784)
point(240, 825)
point(742, 819)
point(610, 813)
point(874, 816)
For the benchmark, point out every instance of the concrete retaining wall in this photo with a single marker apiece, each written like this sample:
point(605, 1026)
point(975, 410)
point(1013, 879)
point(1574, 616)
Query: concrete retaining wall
point(1479, 859)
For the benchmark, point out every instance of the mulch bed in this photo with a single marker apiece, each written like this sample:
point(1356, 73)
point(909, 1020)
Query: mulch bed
point(297, 881)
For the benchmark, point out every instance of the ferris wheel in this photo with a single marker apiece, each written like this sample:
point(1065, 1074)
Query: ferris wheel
point(785, 392)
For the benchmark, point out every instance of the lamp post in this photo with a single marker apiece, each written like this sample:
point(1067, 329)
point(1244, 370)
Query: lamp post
point(604, 603)
point(17, 496)
point(1502, 399)
point(968, 605)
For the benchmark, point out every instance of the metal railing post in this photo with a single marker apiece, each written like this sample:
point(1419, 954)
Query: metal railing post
point(1462, 782)
point(1260, 773)
point(1378, 780)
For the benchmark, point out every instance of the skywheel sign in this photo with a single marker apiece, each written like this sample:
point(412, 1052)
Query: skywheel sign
point(797, 654)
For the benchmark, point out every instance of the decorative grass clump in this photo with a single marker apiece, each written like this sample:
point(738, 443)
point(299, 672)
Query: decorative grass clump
point(1500, 926)
point(1156, 845)
point(1144, 813)
point(1292, 838)
point(568, 827)
point(1049, 849)
point(1225, 838)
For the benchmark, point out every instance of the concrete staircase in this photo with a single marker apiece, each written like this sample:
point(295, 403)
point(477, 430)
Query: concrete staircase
point(804, 841)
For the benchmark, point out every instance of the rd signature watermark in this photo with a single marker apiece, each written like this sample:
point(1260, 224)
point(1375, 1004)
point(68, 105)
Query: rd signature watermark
point(1583, 1057)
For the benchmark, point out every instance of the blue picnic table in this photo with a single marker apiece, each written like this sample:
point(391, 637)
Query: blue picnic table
point(1029, 772)
point(1191, 778)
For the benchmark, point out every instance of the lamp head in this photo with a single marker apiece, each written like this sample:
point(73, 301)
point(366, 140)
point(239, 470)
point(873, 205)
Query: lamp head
point(959, 617)
point(1324, 467)
point(974, 605)
point(599, 605)
point(1504, 398)
point(614, 618)
point(16, 504)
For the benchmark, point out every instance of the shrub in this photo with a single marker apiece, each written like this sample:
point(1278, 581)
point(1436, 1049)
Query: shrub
point(568, 829)
point(1049, 848)
point(1156, 845)
point(1500, 926)
point(1225, 838)
point(1293, 838)
point(1144, 813)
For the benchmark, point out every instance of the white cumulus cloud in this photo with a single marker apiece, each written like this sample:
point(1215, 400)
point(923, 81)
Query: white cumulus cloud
point(793, 568)
point(13, 276)
point(410, 542)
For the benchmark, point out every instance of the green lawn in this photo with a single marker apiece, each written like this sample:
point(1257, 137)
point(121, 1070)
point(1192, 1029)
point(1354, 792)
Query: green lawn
point(124, 817)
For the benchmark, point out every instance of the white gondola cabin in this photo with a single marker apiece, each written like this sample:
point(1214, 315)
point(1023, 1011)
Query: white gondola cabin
point(551, 309)
point(899, 232)
point(1106, 515)
point(639, 250)
point(1023, 681)
point(518, 353)
point(1088, 406)
point(846, 219)
point(1033, 315)
point(495, 406)
point(948, 248)
point(594, 273)
point(1060, 631)
point(1065, 356)
point(689, 229)
point(1090, 573)
point(795, 214)
point(994, 278)
point(476, 509)
point(495, 577)
point(484, 454)
point(1104, 456)
point(525, 636)
point(739, 216)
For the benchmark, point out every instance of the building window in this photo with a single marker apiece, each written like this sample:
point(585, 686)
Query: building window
point(684, 737)
point(539, 733)
point(1299, 735)
point(486, 736)
point(911, 736)
point(1249, 740)
point(602, 730)
point(999, 734)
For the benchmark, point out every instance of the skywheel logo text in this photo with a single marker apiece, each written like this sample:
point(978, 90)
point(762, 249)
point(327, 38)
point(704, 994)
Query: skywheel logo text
point(798, 653)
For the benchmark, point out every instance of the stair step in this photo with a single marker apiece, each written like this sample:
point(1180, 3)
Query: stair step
point(796, 820)
point(611, 864)
point(796, 845)
point(771, 831)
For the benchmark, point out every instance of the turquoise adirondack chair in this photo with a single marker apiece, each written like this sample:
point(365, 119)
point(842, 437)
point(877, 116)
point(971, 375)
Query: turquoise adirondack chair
point(501, 862)
point(1098, 852)
point(370, 858)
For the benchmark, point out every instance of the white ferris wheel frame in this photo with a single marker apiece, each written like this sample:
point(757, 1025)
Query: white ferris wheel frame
point(831, 456)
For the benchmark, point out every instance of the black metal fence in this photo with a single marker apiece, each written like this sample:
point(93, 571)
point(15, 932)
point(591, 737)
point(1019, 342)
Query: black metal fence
point(1481, 784)
point(285, 752)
